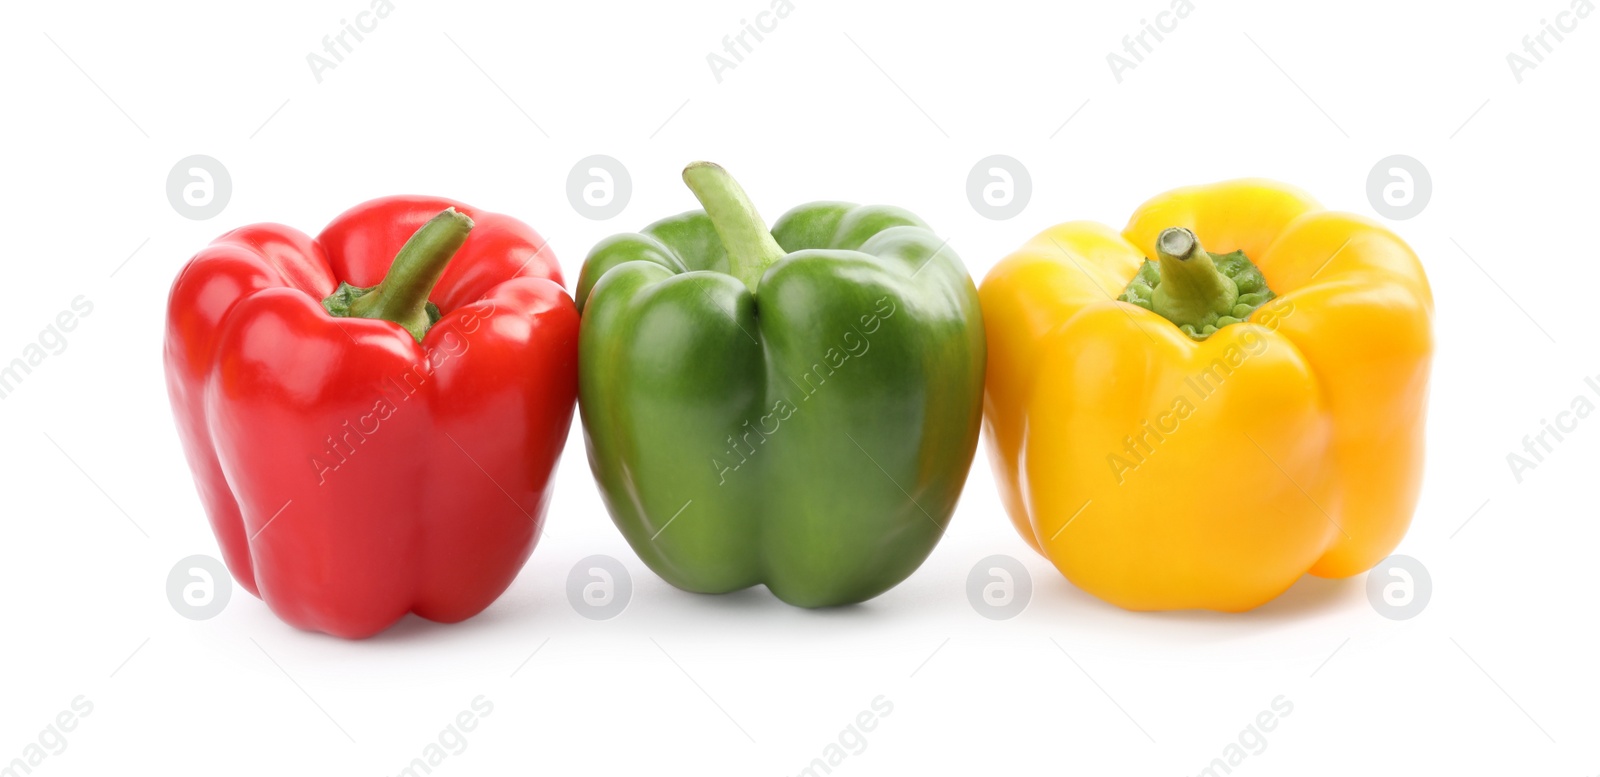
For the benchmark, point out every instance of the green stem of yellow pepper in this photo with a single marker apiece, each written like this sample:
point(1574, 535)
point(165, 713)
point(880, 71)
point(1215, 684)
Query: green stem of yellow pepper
point(1192, 290)
point(750, 245)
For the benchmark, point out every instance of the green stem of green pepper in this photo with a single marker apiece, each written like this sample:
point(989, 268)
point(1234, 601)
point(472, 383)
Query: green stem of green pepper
point(1192, 291)
point(750, 246)
point(402, 297)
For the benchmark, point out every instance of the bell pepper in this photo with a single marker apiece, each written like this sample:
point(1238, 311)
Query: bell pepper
point(373, 415)
point(797, 407)
point(1200, 429)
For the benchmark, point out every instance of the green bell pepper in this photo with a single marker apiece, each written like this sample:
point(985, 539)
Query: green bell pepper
point(797, 408)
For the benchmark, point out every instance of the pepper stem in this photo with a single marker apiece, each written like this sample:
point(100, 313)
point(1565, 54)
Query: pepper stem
point(402, 297)
point(1192, 291)
point(750, 246)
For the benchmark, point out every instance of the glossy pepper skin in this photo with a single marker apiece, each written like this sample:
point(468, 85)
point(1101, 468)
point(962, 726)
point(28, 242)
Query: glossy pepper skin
point(351, 472)
point(1160, 472)
point(798, 408)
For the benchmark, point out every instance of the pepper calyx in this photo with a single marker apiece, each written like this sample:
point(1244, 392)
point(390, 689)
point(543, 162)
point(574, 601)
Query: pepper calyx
point(1195, 289)
point(402, 296)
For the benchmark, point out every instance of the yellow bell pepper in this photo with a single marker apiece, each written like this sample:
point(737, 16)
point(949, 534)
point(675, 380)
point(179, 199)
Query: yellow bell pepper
point(1240, 420)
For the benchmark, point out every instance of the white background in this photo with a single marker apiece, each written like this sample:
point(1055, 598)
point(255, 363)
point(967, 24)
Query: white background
point(493, 105)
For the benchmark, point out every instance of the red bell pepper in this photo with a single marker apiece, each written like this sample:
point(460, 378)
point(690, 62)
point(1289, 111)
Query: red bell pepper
point(366, 450)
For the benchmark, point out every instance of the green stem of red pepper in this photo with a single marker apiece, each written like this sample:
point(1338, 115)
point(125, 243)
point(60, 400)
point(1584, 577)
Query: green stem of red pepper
point(749, 244)
point(402, 296)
